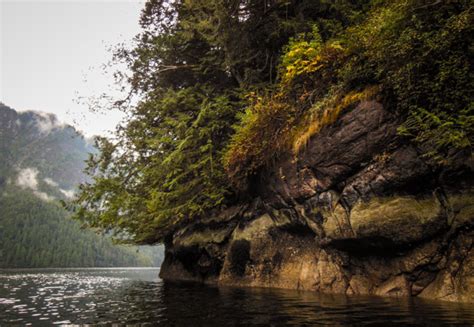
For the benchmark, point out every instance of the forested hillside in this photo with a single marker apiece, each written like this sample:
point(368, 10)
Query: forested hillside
point(35, 233)
point(41, 164)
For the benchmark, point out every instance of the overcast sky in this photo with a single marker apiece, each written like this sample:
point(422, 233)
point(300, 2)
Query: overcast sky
point(51, 54)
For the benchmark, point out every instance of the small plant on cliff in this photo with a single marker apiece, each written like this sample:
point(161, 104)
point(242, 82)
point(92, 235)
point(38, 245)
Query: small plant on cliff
point(301, 55)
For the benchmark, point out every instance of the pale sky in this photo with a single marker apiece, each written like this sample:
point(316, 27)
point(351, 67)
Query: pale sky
point(51, 53)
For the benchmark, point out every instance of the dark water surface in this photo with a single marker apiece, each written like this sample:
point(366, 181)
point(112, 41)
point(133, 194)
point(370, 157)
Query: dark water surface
point(136, 296)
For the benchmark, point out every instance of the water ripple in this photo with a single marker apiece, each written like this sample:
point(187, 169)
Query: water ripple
point(137, 297)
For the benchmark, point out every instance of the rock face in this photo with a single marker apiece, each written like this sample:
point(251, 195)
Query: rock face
point(359, 211)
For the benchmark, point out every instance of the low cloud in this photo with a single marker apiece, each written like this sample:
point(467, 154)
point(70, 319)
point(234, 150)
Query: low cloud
point(28, 179)
point(67, 193)
point(43, 196)
point(46, 122)
point(50, 182)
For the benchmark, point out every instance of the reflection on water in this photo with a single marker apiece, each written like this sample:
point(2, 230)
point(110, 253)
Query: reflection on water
point(137, 296)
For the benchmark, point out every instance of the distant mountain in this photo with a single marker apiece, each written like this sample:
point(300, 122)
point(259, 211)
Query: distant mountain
point(42, 162)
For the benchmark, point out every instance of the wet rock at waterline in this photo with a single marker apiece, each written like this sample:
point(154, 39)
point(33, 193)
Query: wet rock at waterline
point(358, 211)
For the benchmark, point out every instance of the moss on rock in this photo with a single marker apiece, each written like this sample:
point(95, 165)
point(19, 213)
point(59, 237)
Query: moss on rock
point(462, 207)
point(203, 237)
point(255, 229)
point(400, 219)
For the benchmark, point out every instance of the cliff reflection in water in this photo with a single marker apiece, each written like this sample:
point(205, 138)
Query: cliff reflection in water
point(134, 296)
point(258, 306)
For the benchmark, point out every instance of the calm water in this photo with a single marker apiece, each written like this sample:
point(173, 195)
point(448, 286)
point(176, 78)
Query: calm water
point(137, 296)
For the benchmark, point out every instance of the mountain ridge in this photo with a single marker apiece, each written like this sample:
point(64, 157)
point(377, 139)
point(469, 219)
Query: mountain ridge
point(41, 163)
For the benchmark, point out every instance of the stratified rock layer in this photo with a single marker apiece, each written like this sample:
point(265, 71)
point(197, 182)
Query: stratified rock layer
point(359, 211)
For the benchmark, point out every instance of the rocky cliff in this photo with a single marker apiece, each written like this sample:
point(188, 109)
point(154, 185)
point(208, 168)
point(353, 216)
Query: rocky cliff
point(359, 211)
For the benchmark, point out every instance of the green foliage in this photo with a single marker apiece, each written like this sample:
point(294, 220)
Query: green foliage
point(163, 173)
point(300, 55)
point(189, 68)
point(422, 55)
point(252, 34)
point(418, 54)
point(440, 132)
point(272, 123)
point(225, 87)
point(263, 132)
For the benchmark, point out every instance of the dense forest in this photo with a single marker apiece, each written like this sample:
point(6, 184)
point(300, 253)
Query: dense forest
point(41, 162)
point(35, 233)
point(225, 87)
